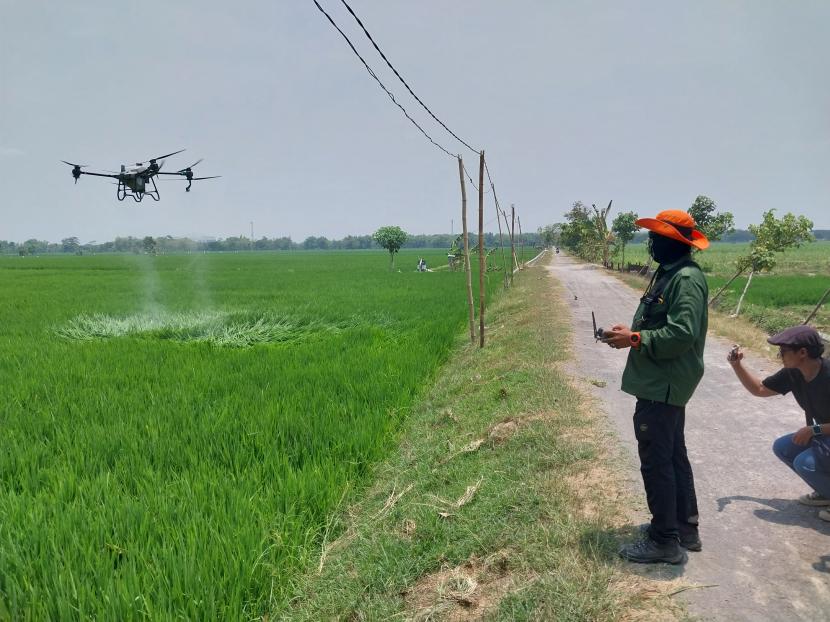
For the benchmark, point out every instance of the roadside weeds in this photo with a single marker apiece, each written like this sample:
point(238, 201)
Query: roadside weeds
point(504, 501)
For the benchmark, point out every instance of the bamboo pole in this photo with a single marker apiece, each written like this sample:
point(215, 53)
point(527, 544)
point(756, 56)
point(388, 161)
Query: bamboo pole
point(501, 238)
point(509, 273)
point(723, 288)
point(513, 239)
point(481, 258)
point(743, 293)
point(818, 306)
point(467, 251)
point(521, 241)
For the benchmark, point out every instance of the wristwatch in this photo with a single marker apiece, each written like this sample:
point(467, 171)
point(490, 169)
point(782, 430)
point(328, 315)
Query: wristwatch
point(817, 430)
point(634, 339)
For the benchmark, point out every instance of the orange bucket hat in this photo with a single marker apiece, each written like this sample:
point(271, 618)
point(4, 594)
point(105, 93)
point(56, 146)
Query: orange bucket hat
point(677, 225)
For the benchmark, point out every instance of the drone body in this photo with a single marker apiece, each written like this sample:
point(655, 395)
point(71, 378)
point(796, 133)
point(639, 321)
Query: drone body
point(136, 181)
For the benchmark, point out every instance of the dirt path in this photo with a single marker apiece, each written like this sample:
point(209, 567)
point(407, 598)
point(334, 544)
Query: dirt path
point(767, 555)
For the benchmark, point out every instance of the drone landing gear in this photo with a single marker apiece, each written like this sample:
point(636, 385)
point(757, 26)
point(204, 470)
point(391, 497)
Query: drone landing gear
point(125, 191)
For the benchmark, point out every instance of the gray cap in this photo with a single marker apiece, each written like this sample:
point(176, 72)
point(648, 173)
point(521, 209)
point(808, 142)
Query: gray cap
point(802, 336)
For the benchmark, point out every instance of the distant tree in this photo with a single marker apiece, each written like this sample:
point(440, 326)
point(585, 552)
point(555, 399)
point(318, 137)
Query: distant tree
point(391, 238)
point(623, 227)
point(149, 245)
point(549, 234)
point(70, 245)
point(712, 224)
point(579, 233)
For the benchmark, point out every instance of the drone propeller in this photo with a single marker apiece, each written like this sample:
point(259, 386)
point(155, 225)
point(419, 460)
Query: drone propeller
point(165, 156)
point(184, 170)
point(76, 169)
point(155, 166)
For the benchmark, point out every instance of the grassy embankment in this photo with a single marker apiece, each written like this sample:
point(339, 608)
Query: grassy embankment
point(502, 502)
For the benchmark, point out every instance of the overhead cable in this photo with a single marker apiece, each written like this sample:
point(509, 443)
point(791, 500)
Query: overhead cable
point(374, 75)
point(400, 77)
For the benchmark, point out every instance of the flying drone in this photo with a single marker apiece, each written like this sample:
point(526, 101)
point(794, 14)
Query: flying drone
point(135, 181)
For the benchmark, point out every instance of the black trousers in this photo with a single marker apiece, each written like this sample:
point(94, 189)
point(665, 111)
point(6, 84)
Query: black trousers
point(667, 474)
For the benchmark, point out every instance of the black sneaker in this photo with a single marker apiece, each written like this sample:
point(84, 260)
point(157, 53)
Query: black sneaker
point(689, 541)
point(647, 551)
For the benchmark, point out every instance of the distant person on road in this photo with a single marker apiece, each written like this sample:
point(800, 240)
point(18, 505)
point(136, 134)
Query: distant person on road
point(807, 374)
point(422, 265)
point(664, 367)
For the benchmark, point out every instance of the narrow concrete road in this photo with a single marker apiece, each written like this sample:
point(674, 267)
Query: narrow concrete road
point(767, 556)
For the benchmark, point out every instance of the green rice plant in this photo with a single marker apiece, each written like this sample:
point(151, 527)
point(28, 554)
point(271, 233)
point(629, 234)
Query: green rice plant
point(150, 471)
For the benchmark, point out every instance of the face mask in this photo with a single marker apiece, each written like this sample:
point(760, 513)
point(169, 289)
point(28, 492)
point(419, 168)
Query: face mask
point(665, 250)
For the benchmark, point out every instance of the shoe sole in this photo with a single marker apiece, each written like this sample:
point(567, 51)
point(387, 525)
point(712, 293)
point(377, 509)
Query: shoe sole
point(694, 547)
point(815, 504)
point(674, 561)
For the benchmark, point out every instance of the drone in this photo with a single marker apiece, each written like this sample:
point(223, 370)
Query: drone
point(135, 181)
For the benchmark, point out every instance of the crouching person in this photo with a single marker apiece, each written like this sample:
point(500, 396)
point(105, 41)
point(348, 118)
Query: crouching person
point(807, 375)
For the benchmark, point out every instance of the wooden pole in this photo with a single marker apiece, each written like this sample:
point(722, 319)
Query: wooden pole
point(723, 288)
point(466, 250)
point(513, 239)
point(482, 260)
point(501, 238)
point(818, 306)
point(521, 241)
point(741, 299)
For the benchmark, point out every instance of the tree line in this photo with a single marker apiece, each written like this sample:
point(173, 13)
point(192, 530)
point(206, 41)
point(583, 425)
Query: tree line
point(170, 244)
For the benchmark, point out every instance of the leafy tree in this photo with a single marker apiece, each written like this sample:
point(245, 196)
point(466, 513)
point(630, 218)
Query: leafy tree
point(391, 238)
point(772, 236)
point(714, 225)
point(149, 245)
point(623, 227)
point(603, 235)
point(579, 235)
point(70, 245)
point(549, 234)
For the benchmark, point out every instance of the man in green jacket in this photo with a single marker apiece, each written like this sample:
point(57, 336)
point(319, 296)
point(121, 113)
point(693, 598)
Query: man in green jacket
point(665, 365)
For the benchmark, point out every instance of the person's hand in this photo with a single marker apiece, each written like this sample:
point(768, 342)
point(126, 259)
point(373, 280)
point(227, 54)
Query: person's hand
point(803, 436)
point(618, 337)
point(735, 355)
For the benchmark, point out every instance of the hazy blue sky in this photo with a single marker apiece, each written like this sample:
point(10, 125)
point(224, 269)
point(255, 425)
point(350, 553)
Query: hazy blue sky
point(646, 103)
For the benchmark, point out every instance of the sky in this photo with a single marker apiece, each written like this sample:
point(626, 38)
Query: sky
point(646, 103)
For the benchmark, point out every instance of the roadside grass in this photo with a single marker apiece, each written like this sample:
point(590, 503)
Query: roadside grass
point(504, 500)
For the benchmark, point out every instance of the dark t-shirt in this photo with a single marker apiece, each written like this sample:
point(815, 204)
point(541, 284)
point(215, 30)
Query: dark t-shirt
point(813, 396)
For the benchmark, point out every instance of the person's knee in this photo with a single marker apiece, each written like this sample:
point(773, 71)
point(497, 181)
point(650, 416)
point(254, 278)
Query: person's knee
point(805, 463)
point(783, 448)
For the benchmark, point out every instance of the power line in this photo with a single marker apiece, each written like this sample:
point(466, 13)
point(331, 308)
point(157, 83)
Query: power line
point(374, 75)
point(400, 77)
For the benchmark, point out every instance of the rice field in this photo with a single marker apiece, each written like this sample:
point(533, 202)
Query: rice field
point(179, 429)
point(773, 301)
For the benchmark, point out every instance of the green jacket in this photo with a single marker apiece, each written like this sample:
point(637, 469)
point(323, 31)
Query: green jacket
point(669, 362)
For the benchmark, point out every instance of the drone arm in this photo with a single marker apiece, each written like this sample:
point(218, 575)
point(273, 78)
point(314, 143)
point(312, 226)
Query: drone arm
point(98, 174)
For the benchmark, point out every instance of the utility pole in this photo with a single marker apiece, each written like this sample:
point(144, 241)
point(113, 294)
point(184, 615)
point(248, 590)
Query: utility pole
point(469, 283)
point(252, 235)
point(521, 240)
point(482, 267)
point(513, 239)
